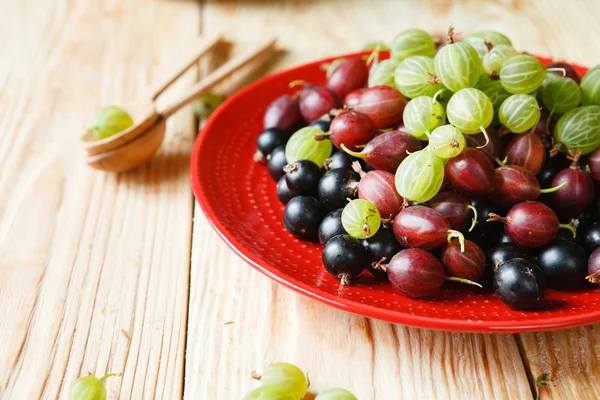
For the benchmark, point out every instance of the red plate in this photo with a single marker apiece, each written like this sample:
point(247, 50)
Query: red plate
point(239, 199)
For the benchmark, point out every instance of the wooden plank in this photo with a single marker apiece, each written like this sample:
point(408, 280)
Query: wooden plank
point(93, 266)
point(571, 358)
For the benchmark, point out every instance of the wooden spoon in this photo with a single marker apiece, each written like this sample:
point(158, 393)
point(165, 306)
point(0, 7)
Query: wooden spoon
point(145, 111)
point(151, 131)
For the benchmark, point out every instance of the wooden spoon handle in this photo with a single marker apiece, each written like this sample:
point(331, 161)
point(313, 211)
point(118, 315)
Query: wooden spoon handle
point(217, 76)
point(204, 46)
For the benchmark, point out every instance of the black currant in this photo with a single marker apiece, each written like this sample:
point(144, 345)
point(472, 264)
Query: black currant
point(331, 226)
point(504, 237)
point(276, 161)
point(339, 160)
point(283, 191)
point(337, 186)
point(486, 235)
point(564, 264)
point(269, 140)
point(366, 167)
point(302, 217)
point(321, 124)
point(591, 237)
point(382, 246)
point(519, 283)
point(504, 252)
point(552, 166)
point(303, 177)
point(345, 257)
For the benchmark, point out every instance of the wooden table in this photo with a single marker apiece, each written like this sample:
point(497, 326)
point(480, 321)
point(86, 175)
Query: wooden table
point(122, 273)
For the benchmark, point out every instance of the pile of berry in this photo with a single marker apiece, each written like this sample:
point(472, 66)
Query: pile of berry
point(460, 161)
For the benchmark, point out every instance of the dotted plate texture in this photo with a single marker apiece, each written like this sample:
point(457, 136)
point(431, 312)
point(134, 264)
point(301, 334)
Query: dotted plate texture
point(239, 199)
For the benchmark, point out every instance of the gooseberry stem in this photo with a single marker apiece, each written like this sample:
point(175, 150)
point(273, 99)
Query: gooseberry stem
point(554, 189)
point(574, 157)
point(475, 219)
point(321, 136)
point(502, 162)
point(297, 82)
point(462, 280)
point(555, 149)
point(564, 72)
point(570, 228)
point(449, 38)
point(374, 54)
point(492, 217)
point(485, 135)
point(380, 264)
point(109, 375)
point(458, 235)
point(366, 230)
point(433, 79)
point(435, 96)
point(357, 168)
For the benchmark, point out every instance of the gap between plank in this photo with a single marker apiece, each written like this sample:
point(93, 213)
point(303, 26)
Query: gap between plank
point(201, 5)
point(530, 378)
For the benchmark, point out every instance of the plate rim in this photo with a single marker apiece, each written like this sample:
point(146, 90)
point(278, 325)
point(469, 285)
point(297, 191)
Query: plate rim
point(346, 304)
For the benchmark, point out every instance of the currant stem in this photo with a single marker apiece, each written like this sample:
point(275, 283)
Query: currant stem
point(353, 186)
point(594, 278)
point(569, 227)
point(344, 279)
point(485, 135)
point(463, 280)
point(475, 219)
point(290, 168)
point(109, 375)
point(461, 238)
point(259, 158)
point(554, 189)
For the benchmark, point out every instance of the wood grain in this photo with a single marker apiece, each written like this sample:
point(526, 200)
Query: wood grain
point(93, 266)
point(571, 358)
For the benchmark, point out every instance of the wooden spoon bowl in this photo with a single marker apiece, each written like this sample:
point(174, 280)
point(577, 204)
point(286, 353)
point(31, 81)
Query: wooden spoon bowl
point(147, 116)
point(133, 153)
